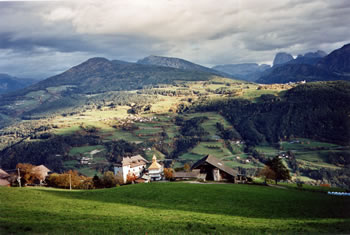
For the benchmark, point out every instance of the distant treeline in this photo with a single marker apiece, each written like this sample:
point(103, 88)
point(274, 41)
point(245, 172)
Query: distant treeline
point(54, 150)
point(317, 110)
point(50, 152)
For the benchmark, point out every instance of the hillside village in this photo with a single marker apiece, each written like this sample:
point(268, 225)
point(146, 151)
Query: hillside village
point(135, 169)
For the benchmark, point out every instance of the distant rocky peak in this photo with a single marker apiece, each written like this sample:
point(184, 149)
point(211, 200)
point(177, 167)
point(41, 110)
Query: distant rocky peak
point(317, 54)
point(281, 58)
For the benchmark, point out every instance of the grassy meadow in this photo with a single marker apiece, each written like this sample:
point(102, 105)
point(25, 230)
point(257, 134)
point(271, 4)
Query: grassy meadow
point(176, 208)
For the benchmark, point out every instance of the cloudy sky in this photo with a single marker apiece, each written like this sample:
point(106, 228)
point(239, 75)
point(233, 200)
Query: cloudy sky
point(42, 38)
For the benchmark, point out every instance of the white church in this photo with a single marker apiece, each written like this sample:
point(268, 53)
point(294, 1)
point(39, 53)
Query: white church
point(155, 170)
point(137, 165)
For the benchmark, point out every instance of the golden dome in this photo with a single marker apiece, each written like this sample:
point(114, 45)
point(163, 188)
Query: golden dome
point(155, 165)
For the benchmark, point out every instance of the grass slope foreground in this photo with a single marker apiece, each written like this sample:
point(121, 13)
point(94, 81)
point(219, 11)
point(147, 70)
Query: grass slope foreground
point(175, 208)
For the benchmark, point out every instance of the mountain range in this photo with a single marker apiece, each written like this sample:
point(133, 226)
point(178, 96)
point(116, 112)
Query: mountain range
point(76, 86)
point(315, 66)
point(9, 83)
point(246, 71)
point(100, 75)
point(110, 94)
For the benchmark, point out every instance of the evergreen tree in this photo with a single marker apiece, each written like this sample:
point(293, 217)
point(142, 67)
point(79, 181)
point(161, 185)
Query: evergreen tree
point(281, 172)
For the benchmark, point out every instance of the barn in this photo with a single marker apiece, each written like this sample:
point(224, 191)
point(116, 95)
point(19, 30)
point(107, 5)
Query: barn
point(214, 169)
point(4, 178)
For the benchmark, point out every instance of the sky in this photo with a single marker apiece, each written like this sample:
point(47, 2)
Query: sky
point(39, 39)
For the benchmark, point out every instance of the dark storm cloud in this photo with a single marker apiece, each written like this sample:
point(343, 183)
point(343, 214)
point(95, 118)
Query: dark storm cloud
point(49, 37)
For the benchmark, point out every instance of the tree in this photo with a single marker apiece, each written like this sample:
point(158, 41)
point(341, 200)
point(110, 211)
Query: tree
point(169, 173)
point(27, 174)
point(109, 180)
point(131, 177)
point(64, 180)
point(97, 181)
point(276, 164)
point(267, 173)
point(187, 167)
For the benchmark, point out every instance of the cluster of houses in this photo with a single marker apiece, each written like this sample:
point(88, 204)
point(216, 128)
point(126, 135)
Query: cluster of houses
point(208, 168)
point(135, 118)
point(136, 166)
point(140, 170)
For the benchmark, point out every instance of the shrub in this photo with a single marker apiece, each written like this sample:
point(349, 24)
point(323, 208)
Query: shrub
point(169, 173)
point(130, 178)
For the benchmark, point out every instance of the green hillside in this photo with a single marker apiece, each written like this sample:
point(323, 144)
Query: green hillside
point(81, 84)
point(175, 208)
point(240, 123)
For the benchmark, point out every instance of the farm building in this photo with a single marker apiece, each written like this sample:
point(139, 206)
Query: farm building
point(42, 172)
point(4, 178)
point(183, 175)
point(134, 165)
point(155, 170)
point(215, 170)
point(3, 174)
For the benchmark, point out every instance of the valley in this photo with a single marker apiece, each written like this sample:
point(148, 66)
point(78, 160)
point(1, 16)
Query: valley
point(174, 117)
point(151, 121)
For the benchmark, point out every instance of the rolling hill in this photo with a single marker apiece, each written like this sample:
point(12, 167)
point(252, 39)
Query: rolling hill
point(177, 114)
point(98, 75)
point(240, 123)
point(173, 208)
point(94, 76)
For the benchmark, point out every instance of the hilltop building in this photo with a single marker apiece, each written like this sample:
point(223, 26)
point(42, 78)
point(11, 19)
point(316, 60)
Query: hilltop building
point(155, 170)
point(134, 165)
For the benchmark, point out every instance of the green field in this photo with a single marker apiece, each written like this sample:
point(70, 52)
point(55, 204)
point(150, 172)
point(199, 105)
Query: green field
point(175, 208)
point(85, 149)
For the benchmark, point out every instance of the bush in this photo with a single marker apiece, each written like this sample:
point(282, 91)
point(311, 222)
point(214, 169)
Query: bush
point(68, 178)
point(300, 184)
point(169, 173)
point(108, 180)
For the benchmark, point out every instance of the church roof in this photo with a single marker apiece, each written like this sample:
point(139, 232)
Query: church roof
point(155, 165)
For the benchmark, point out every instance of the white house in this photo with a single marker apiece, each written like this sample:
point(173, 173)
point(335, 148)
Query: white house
point(134, 165)
point(155, 170)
